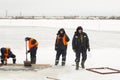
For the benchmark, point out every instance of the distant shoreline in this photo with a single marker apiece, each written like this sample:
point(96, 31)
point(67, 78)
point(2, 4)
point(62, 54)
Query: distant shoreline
point(63, 17)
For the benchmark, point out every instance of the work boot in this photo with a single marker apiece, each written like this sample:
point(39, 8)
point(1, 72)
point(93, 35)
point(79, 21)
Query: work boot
point(82, 64)
point(14, 61)
point(56, 62)
point(2, 62)
point(63, 63)
point(77, 65)
point(5, 63)
point(34, 60)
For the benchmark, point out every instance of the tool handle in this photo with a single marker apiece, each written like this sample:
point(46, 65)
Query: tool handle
point(26, 50)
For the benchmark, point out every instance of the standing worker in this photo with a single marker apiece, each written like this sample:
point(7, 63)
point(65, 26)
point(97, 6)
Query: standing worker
point(33, 45)
point(80, 44)
point(61, 46)
point(5, 54)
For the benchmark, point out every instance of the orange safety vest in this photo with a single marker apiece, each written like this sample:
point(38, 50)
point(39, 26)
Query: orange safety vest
point(63, 40)
point(6, 53)
point(30, 45)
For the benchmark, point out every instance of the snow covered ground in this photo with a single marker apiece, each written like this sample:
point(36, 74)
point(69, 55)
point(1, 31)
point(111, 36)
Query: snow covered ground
point(104, 41)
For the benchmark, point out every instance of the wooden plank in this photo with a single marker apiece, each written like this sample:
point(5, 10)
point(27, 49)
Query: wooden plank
point(52, 78)
point(42, 65)
point(95, 70)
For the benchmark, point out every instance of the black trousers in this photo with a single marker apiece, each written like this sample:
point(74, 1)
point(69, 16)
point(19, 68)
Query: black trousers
point(78, 55)
point(33, 53)
point(9, 56)
point(59, 53)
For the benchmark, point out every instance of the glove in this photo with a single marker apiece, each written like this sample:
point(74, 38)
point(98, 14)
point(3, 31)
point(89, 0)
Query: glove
point(25, 39)
point(56, 48)
point(27, 51)
point(89, 49)
point(74, 50)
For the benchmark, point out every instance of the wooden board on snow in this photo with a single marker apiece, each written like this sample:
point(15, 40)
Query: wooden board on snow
point(52, 78)
point(41, 65)
point(21, 67)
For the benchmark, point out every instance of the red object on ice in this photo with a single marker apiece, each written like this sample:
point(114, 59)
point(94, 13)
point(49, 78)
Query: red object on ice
point(100, 69)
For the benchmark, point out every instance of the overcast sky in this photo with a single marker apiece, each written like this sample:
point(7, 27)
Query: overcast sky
point(60, 7)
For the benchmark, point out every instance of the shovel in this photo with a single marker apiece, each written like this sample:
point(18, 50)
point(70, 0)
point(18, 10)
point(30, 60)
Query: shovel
point(27, 63)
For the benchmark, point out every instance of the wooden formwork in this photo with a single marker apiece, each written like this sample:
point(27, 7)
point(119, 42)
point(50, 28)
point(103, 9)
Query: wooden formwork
point(112, 70)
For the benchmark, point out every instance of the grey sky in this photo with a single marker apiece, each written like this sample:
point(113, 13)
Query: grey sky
point(60, 7)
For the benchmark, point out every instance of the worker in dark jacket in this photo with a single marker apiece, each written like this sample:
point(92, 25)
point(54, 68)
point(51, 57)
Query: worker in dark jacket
point(5, 54)
point(61, 46)
point(80, 45)
point(33, 45)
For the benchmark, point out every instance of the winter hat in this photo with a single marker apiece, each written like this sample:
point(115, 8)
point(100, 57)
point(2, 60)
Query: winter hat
point(62, 29)
point(79, 28)
point(27, 38)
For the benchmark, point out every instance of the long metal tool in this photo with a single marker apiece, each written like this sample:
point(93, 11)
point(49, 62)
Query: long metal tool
point(27, 63)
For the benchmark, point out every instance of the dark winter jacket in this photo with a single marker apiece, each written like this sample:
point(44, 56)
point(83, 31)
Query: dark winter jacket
point(80, 41)
point(61, 40)
point(6, 52)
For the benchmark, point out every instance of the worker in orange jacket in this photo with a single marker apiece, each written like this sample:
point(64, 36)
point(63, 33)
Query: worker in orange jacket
point(61, 46)
point(33, 45)
point(5, 54)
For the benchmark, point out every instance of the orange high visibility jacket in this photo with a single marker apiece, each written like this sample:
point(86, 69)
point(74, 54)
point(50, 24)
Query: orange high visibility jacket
point(6, 53)
point(30, 45)
point(63, 40)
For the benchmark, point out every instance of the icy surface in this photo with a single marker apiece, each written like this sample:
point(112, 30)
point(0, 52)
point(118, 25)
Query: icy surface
point(104, 41)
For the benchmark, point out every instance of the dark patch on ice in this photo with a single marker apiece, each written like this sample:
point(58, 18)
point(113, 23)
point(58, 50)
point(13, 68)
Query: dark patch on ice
point(21, 68)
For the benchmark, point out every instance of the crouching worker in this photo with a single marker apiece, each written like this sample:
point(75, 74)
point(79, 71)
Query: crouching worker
point(33, 45)
point(5, 54)
point(61, 46)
